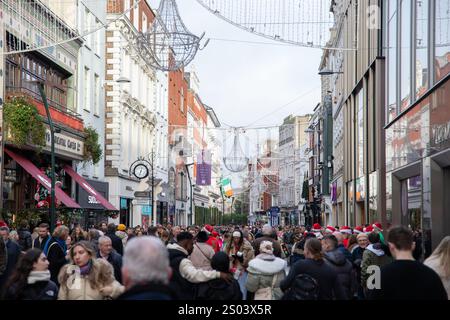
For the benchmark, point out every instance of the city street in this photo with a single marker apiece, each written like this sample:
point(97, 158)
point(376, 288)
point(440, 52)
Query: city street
point(224, 150)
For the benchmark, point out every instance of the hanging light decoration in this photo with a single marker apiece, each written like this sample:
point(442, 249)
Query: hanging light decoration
point(171, 44)
point(236, 161)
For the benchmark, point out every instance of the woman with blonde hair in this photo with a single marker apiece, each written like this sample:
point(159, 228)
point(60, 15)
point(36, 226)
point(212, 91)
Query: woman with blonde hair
point(439, 261)
point(87, 278)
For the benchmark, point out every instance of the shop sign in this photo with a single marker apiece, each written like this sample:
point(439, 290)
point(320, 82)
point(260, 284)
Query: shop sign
point(87, 200)
point(440, 133)
point(65, 143)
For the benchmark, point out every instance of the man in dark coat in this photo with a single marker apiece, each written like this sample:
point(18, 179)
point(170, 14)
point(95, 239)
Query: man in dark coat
point(338, 262)
point(105, 251)
point(267, 235)
point(12, 255)
point(25, 240)
point(40, 241)
point(116, 241)
point(146, 270)
point(55, 248)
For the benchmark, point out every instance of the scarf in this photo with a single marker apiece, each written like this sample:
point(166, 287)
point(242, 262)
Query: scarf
point(84, 270)
point(37, 276)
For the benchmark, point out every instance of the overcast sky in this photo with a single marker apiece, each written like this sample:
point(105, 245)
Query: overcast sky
point(244, 82)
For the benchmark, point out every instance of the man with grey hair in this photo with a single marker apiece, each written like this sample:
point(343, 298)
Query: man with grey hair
point(12, 255)
point(146, 270)
point(105, 251)
point(267, 235)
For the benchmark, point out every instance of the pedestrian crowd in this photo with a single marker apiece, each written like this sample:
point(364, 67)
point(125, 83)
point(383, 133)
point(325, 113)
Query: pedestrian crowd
point(258, 262)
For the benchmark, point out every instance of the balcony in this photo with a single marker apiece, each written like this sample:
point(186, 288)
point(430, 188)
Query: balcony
point(59, 113)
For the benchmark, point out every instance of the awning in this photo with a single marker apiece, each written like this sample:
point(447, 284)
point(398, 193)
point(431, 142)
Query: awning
point(89, 189)
point(43, 179)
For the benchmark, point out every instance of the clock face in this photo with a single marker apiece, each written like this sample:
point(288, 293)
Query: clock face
point(140, 171)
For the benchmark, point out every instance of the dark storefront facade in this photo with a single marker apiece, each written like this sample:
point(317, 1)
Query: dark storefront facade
point(95, 212)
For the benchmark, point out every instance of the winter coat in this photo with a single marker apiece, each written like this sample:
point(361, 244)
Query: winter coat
point(85, 290)
point(344, 268)
point(346, 253)
point(115, 260)
point(25, 240)
point(201, 256)
point(122, 235)
point(3, 256)
point(327, 278)
point(435, 264)
point(148, 291)
point(374, 255)
point(219, 289)
point(248, 254)
point(39, 290)
point(57, 258)
point(12, 256)
point(39, 244)
point(116, 243)
point(276, 246)
point(185, 275)
point(261, 273)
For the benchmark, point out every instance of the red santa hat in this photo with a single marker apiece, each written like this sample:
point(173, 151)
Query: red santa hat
point(208, 229)
point(377, 226)
point(316, 227)
point(368, 229)
point(3, 224)
point(330, 229)
point(346, 230)
point(358, 230)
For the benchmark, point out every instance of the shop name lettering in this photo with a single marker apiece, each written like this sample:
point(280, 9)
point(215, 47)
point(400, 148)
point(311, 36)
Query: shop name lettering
point(65, 143)
point(92, 200)
point(441, 133)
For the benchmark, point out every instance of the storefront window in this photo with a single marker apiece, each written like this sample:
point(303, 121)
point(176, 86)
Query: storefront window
point(412, 202)
point(392, 60)
point(422, 23)
point(405, 65)
point(442, 39)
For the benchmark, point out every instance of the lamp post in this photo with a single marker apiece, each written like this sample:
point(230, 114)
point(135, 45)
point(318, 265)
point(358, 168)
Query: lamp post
point(52, 142)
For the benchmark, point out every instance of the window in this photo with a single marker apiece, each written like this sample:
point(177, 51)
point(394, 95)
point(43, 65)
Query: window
point(421, 65)
point(126, 7)
point(96, 94)
point(442, 39)
point(87, 87)
point(405, 66)
point(144, 23)
point(98, 40)
point(182, 100)
point(87, 26)
point(136, 16)
point(392, 60)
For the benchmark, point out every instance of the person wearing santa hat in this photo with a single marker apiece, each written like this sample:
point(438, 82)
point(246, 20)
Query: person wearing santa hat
point(379, 229)
point(317, 229)
point(368, 229)
point(329, 230)
point(212, 241)
point(346, 232)
point(358, 230)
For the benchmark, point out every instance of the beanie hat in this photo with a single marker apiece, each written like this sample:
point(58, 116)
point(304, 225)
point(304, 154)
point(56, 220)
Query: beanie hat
point(358, 230)
point(237, 234)
point(121, 227)
point(220, 262)
point(266, 247)
point(316, 227)
point(330, 229)
point(346, 230)
point(377, 226)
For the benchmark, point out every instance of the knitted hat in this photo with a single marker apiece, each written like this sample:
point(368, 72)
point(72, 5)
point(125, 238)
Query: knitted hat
point(330, 229)
point(346, 230)
point(316, 227)
point(377, 226)
point(121, 227)
point(358, 230)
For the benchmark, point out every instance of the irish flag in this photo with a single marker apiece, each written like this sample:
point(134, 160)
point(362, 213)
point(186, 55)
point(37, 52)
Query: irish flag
point(226, 187)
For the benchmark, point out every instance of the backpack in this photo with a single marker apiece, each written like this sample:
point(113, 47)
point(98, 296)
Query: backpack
point(304, 287)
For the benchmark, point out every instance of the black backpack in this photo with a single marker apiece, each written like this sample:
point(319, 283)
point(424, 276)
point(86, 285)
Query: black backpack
point(304, 287)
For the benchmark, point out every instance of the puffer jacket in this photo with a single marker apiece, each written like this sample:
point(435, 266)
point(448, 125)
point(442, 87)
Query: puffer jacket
point(261, 273)
point(374, 255)
point(344, 268)
point(84, 291)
